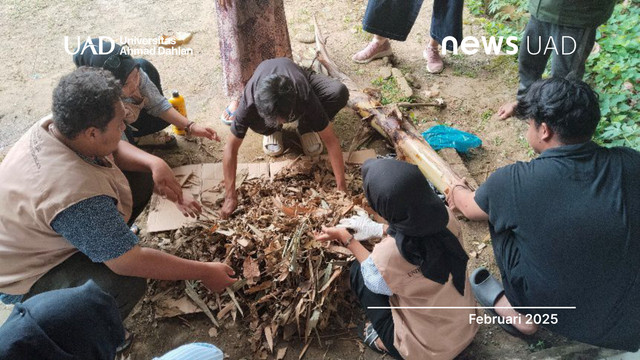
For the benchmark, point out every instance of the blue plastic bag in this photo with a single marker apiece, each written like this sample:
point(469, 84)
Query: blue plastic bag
point(441, 136)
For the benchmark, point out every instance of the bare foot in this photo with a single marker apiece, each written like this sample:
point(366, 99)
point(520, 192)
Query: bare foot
point(506, 111)
point(517, 320)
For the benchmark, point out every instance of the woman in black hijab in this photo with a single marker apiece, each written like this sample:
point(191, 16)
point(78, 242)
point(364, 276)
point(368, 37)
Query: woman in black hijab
point(147, 110)
point(420, 263)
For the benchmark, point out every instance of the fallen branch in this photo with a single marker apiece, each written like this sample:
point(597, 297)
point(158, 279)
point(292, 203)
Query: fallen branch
point(439, 103)
point(388, 121)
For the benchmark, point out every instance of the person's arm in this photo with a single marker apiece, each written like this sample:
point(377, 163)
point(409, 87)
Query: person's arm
point(130, 158)
point(460, 197)
point(229, 166)
point(155, 264)
point(335, 156)
point(173, 117)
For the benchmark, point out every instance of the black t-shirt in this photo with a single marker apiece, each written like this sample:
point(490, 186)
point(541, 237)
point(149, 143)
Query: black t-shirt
point(308, 110)
point(566, 232)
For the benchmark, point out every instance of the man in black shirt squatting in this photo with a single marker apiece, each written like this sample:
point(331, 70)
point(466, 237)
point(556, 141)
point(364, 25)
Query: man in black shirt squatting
point(279, 92)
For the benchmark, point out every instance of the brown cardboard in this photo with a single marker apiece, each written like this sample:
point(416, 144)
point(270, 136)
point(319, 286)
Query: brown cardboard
point(204, 185)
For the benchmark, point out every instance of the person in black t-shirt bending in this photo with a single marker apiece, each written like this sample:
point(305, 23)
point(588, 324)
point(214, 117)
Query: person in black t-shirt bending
point(565, 226)
point(279, 92)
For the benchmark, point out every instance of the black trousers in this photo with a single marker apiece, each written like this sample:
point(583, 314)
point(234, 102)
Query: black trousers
point(332, 93)
point(382, 320)
point(532, 59)
point(147, 124)
point(395, 18)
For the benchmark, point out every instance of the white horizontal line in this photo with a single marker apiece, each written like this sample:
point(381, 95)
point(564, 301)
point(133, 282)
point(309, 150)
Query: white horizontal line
point(471, 307)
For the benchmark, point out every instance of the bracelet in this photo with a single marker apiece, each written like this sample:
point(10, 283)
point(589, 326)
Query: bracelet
point(348, 241)
point(459, 185)
point(187, 128)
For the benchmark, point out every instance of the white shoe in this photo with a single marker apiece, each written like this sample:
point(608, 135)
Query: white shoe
point(272, 145)
point(311, 143)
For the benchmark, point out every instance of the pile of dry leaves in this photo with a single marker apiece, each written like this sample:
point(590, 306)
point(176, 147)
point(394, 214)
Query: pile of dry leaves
point(289, 283)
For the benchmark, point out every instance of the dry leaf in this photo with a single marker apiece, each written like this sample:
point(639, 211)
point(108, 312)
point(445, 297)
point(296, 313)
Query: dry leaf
point(250, 270)
point(269, 336)
point(281, 353)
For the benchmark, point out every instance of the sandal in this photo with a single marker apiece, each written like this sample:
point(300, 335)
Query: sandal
point(487, 290)
point(272, 145)
point(128, 339)
point(368, 335)
point(230, 115)
point(311, 143)
point(158, 140)
point(373, 50)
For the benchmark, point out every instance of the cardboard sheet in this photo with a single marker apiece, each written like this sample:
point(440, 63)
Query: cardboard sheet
point(203, 183)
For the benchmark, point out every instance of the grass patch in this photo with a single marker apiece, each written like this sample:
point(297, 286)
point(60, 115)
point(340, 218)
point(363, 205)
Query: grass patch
point(390, 92)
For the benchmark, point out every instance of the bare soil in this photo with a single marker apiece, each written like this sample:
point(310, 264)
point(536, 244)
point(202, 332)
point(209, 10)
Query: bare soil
point(473, 87)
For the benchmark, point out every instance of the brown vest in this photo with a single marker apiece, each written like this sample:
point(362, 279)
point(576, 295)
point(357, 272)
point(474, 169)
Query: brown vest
point(40, 177)
point(432, 334)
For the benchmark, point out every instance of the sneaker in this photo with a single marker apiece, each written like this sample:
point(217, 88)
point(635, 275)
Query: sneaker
point(158, 140)
point(272, 145)
point(434, 61)
point(374, 50)
point(311, 143)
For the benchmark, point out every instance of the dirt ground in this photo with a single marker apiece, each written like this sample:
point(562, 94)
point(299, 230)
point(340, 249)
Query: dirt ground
point(34, 58)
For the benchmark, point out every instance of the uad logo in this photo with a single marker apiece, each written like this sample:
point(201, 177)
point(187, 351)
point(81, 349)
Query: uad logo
point(103, 46)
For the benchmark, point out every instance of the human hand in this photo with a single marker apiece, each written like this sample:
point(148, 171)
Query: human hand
point(206, 132)
point(225, 3)
point(342, 186)
point(364, 227)
point(189, 207)
point(218, 277)
point(333, 233)
point(457, 183)
point(165, 183)
point(229, 206)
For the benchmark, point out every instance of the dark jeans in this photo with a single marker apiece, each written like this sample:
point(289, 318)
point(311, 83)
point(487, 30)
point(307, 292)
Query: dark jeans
point(78, 269)
point(74, 323)
point(147, 124)
point(533, 58)
point(395, 18)
point(382, 320)
point(332, 93)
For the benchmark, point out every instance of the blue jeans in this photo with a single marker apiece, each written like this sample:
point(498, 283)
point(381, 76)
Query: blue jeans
point(395, 18)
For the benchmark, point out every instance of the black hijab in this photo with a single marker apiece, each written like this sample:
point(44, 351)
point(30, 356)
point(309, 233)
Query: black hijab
point(417, 219)
point(110, 58)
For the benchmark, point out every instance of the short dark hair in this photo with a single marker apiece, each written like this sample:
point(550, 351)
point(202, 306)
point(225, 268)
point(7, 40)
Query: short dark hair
point(569, 107)
point(275, 96)
point(83, 99)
